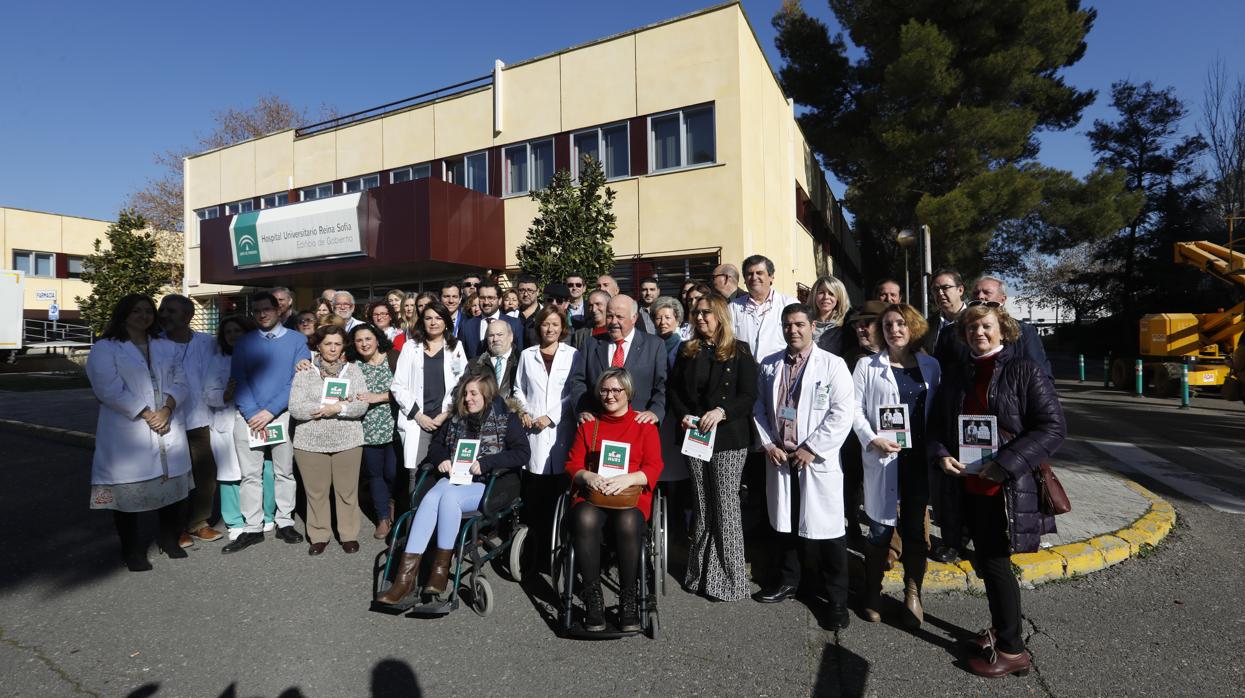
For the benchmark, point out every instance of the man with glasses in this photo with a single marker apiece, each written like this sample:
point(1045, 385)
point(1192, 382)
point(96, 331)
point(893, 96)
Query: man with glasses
point(262, 370)
point(643, 355)
point(578, 287)
point(559, 296)
point(470, 283)
point(991, 291)
point(475, 328)
point(343, 307)
point(529, 305)
point(726, 281)
point(452, 299)
point(947, 289)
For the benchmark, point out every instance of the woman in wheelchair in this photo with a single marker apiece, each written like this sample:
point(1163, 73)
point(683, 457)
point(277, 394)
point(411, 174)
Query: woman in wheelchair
point(478, 413)
point(622, 502)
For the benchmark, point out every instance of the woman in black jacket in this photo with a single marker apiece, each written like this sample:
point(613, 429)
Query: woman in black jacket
point(713, 386)
point(1000, 503)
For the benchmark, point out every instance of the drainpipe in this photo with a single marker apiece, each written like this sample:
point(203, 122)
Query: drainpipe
point(497, 96)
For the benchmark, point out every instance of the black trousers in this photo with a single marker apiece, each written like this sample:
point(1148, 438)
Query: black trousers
point(987, 520)
point(540, 496)
point(795, 551)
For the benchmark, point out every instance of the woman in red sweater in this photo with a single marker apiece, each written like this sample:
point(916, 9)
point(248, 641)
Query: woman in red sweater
point(588, 521)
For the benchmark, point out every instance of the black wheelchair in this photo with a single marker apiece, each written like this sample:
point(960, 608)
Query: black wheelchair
point(487, 534)
point(651, 577)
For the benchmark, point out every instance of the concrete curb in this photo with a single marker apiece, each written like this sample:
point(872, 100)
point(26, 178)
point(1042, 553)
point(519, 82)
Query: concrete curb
point(39, 431)
point(1059, 562)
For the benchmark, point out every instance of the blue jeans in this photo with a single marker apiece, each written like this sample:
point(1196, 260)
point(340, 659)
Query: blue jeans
point(381, 465)
point(442, 509)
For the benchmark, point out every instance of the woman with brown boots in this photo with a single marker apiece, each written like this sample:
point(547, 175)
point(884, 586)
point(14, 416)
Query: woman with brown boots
point(900, 378)
point(478, 413)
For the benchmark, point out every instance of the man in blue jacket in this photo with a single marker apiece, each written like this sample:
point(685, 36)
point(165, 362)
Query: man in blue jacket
point(262, 370)
point(474, 329)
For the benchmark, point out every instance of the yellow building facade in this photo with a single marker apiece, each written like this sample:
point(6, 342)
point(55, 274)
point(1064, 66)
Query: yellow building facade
point(50, 249)
point(687, 116)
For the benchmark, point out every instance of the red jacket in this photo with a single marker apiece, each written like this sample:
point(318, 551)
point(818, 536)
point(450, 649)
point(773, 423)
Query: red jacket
point(645, 452)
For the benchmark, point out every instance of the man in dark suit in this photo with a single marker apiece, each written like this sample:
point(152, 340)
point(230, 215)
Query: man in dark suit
point(452, 298)
point(474, 329)
point(988, 290)
point(642, 354)
point(947, 288)
point(501, 359)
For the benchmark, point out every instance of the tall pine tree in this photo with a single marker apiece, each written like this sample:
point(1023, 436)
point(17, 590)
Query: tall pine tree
point(127, 266)
point(935, 122)
point(573, 230)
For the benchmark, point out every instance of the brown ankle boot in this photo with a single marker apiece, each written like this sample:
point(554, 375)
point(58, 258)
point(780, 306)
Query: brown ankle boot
point(875, 568)
point(404, 583)
point(440, 574)
point(912, 602)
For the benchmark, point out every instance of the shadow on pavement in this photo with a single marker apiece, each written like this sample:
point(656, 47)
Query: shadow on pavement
point(391, 678)
point(54, 538)
point(841, 672)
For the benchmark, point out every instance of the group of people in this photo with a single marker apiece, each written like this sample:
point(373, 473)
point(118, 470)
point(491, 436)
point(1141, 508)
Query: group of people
point(799, 396)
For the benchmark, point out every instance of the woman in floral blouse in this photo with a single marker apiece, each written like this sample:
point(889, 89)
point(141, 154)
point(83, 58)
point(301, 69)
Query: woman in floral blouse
point(369, 348)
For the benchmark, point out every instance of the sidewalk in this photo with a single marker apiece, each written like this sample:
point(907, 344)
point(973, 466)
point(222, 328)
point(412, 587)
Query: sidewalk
point(1112, 518)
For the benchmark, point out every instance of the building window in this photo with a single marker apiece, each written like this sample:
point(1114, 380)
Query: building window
point(362, 183)
point(275, 200)
point(35, 263)
point(205, 214)
point(608, 145)
point(76, 266)
point(239, 207)
point(529, 167)
point(684, 138)
point(407, 174)
point(469, 171)
point(321, 191)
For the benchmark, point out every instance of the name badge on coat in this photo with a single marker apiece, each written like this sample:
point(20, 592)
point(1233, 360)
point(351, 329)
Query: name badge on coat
point(787, 413)
point(821, 397)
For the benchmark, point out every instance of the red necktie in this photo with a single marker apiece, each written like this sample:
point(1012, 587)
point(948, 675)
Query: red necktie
point(617, 361)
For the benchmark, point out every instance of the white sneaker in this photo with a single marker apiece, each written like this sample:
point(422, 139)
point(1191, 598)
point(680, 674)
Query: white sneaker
point(235, 532)
point(270, 526)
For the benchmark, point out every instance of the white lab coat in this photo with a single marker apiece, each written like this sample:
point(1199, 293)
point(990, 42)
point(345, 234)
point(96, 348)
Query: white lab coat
point(196, 356)
point(223, 413)
point(126, 449)
point(822, 425)
point(407, 390)
point(548, 394)
point(876, 386)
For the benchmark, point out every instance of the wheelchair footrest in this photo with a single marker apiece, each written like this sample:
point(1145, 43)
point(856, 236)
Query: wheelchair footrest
point(432, 609)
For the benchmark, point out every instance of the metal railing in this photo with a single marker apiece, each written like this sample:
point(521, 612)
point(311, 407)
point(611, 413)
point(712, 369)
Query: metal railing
point(46, 332)
point(347, 119)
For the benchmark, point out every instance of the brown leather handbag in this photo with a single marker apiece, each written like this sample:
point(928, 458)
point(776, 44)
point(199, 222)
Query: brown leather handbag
point(1054, 499)
point(626, 499)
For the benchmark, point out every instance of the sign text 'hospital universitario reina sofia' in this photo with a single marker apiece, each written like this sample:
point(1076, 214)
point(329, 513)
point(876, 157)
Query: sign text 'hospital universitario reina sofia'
point(318, 229)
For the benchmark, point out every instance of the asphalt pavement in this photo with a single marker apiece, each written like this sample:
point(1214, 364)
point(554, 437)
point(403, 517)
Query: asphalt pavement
point(271, 621)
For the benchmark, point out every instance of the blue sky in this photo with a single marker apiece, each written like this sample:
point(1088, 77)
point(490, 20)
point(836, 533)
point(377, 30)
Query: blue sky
point(90, 91)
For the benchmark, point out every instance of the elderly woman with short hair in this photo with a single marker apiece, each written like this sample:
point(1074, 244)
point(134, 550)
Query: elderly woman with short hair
point(1001, 502)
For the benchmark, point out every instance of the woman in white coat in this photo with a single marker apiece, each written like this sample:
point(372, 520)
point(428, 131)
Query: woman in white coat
point(899, 374)
point(429, 367)
point(218, 395)
point(142, 461)
point(544, 392)
point(804, 412)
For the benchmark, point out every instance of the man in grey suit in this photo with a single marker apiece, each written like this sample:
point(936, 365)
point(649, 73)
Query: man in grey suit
point(642, 354)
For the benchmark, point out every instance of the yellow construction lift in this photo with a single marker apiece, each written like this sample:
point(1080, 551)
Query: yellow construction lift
point(1203, 341)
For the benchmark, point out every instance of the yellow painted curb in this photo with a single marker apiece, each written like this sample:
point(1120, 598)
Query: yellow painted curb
point(1038, 567)
point(1080, 558)
point(1113, 550)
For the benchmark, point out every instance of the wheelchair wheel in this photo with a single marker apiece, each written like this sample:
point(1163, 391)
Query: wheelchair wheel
point(654, 625)
point(482, 596)
point(557, 537)
point(663, 550)
point(516, 553)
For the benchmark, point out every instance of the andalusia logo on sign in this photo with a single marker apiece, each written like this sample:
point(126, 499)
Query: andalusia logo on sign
point(245, 239)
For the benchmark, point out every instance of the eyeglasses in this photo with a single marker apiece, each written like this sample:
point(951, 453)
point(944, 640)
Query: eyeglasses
point(702, 313)
point(560, 301)
point(988, 304)
point(575, 285)
point(343, 305)
point(612, 391)
point(944, 288)
point(724, 276)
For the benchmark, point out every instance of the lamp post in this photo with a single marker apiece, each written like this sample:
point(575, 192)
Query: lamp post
point(906, 239)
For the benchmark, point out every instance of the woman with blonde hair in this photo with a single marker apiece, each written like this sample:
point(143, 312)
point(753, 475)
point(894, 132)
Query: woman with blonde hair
point(828, 298)
point(713, 387)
